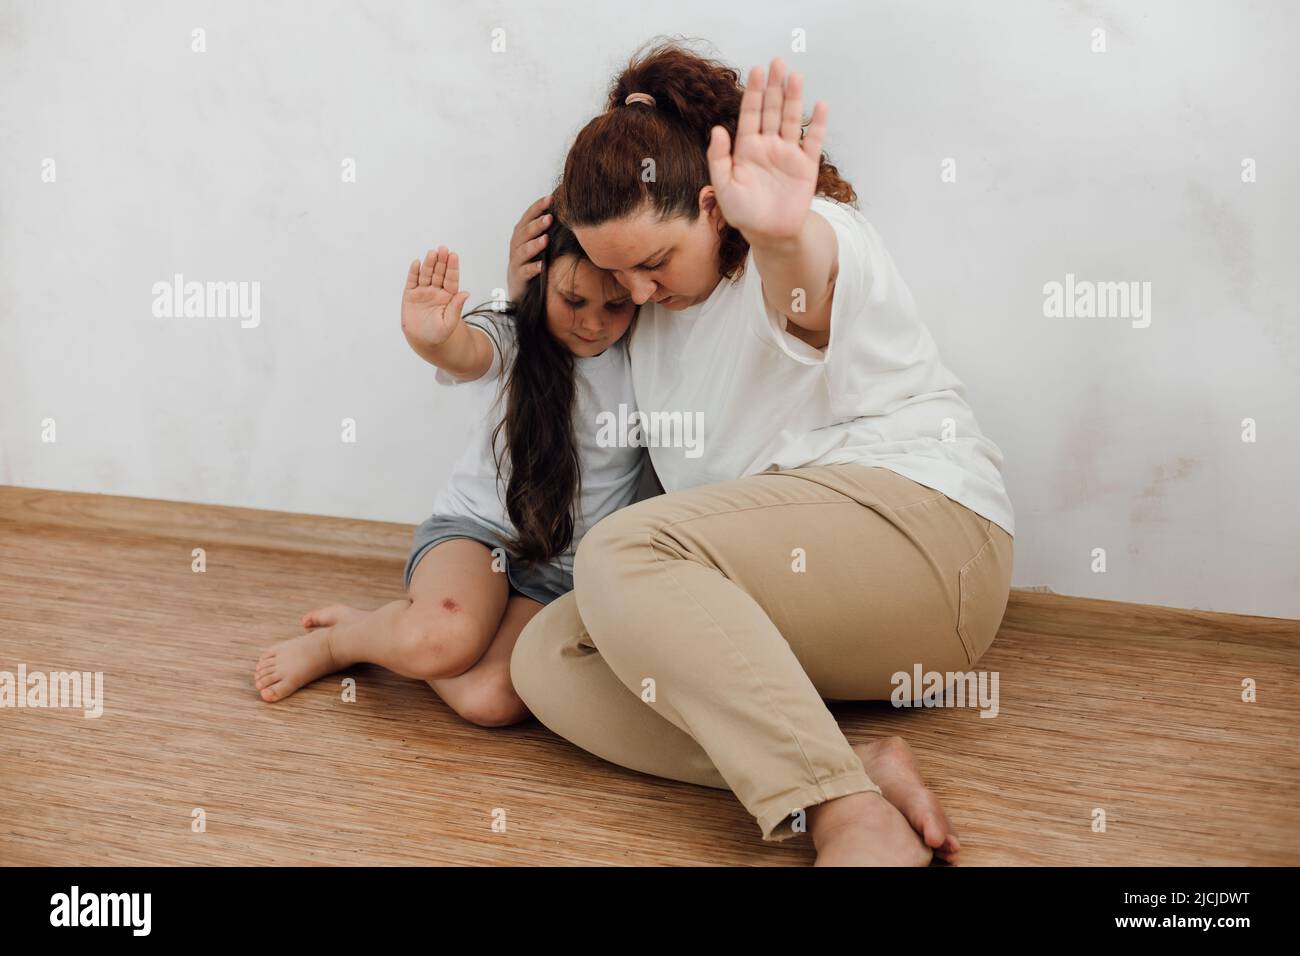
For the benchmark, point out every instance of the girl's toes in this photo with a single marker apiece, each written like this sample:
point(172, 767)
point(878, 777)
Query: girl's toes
point(271, 694)
point(265, 680)
point(323, 616)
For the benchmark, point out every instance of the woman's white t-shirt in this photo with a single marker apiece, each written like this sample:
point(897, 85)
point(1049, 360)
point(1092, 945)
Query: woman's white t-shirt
point(763, 400)
point(609, 471)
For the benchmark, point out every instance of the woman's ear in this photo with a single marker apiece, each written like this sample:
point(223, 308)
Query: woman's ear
point(710, 208)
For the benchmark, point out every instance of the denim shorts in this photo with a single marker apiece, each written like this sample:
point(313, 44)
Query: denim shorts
point(542, 581)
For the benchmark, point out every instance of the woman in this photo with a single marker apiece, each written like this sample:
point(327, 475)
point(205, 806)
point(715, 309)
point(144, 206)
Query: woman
point(846, 520)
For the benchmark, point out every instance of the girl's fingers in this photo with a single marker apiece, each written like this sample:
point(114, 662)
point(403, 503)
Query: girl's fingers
point(719, 156)
point(440, 267)
point(812, 142)
point(792, 112)
point(773, 97)
point(751, 105)
point(455, 305)
point(426, 268)
point(413, 275)
point(451, 282)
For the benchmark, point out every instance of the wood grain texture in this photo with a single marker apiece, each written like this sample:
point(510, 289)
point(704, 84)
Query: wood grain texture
point(1133, 709)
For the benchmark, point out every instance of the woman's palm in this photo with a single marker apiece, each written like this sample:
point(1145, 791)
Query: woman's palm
point(765, 185)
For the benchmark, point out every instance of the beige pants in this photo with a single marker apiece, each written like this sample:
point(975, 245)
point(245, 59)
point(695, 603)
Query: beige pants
point(707, 627)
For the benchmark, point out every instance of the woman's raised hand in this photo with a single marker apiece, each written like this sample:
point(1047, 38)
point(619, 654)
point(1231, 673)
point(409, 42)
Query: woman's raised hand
point(765, 185)
point(432, 300)
point(528, 239)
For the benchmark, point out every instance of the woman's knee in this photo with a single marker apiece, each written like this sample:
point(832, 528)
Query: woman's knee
point(440, 642)
point(615, 546)
point(537, 653)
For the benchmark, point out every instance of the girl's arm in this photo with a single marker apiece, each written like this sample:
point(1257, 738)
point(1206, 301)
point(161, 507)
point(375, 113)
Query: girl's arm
point(765, 188)
point(431, 322)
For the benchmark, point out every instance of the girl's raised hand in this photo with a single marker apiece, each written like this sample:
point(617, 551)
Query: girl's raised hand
point(432, 300)
point(528, 239)
point(766, 184)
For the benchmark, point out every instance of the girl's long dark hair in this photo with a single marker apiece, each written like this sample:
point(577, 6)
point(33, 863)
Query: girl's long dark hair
point(539, 388)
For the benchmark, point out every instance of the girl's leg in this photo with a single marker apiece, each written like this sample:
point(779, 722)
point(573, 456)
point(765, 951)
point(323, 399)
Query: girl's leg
point(728, 611)
point(484, 694)
point(455, 606)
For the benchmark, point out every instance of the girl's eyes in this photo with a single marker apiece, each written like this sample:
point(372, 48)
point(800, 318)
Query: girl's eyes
point(649, 267)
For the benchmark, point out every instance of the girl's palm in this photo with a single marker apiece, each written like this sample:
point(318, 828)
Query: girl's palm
point(432, 300)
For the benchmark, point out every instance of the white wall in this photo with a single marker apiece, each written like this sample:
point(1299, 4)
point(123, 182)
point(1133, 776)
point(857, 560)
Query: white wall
point(1123, 165)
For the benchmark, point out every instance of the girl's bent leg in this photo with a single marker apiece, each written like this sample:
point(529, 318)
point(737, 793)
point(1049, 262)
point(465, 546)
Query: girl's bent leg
point(454, 608)
point(484, 694)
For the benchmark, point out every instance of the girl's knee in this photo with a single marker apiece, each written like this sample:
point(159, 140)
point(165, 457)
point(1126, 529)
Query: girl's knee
point(440, 642)
point(490, 701)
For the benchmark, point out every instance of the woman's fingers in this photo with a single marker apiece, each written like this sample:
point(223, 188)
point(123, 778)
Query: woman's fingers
point(792, 111)
point(751, 105)
point(527, 250)
point(812, 142)
point(773, 97)
point(719, 156)
point(413, 274)
point(534, 212)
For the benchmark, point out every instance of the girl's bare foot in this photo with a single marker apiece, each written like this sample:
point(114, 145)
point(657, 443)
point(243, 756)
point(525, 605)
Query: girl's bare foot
point(890, 764)
point(330, 615)
point(291, 664)
point(864, 829)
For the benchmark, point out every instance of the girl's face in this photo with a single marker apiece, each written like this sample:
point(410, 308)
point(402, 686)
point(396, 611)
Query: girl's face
point(672, 262)
point(585, 308)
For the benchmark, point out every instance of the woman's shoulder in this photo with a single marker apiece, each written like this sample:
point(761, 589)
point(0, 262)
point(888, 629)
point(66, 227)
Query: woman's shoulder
point(839, 212)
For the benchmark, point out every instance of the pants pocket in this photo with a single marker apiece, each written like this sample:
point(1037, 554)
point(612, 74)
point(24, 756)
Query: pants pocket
point(985, 586)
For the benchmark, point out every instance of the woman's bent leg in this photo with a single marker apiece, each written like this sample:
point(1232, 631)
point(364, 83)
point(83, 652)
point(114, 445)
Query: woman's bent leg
point(584, 701)
point(731, 610)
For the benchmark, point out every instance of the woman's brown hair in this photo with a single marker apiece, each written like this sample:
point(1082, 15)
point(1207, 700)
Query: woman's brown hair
point(603, 173)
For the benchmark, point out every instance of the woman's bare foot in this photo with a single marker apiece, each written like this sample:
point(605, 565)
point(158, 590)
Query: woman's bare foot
point(864, 829)
point(890, 764)
point(291, 664)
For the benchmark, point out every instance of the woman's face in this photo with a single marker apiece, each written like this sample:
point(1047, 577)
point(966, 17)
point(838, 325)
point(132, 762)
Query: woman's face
point(585, 308)
point(672, 262)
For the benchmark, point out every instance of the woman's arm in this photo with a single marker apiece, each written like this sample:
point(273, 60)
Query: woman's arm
point(431, 322)
point(765, 188)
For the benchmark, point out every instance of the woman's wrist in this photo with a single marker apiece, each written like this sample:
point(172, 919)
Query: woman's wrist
point(780, 243)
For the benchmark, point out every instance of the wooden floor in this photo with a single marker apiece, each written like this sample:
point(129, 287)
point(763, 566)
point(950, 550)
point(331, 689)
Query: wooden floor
point(1131, 709)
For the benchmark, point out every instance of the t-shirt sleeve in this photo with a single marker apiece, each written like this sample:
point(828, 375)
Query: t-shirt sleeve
point(857, 265)
point(877, 339)
point(500, 331)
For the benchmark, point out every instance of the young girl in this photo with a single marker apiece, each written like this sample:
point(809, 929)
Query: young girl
point(501, 540)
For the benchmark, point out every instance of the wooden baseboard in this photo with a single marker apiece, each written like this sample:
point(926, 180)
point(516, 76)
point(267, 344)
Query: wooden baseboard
point(382, 540)
point(221, 524)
